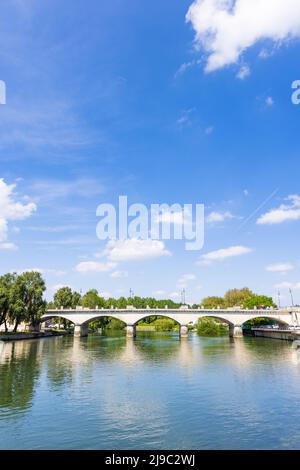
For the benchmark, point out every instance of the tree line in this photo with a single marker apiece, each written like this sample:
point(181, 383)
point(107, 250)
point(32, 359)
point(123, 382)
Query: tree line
point(22, 300)
point(243, 298)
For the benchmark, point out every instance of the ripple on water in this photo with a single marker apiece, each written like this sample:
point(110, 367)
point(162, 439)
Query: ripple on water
point(152, 392)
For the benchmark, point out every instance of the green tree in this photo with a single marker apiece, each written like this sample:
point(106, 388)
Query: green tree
point(26, 298)
point(237, 297)
point(63, 298)
point(211, 327)
point(165, 324)
point(91, 299)
point(260, 301)
point(66, 298)
point(6, 283)
point(213, 302)
point(76, 299)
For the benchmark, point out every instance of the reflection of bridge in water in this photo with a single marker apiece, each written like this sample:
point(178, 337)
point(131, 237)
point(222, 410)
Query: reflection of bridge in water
point(235, 318)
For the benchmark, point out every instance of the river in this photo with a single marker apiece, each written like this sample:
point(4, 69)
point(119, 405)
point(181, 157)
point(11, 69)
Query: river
point(154, 392)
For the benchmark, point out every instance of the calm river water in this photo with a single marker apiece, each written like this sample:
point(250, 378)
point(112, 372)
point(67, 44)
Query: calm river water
point(153, 392)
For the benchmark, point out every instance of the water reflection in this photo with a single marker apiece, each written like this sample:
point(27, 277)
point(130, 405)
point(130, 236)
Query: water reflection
point(152, 391)
point(19, 371)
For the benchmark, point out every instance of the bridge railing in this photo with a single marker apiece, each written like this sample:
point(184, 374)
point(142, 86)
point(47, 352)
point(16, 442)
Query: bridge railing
point(258, 311)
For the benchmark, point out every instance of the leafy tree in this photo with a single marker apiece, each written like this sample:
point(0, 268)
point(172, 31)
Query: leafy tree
point(6, 283)
point(237, 297)
point(211, 327)
point(76, 299)
point(260, 301)
point(122, 302)
point(26, 298)
point(255, 322)
point(213, 302)
point(63, 298)
point(66, 298)
point(165, 324)
point(114, 324)
point(91, 299)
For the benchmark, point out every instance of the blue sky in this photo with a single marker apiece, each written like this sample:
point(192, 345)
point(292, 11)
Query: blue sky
point(113, 98)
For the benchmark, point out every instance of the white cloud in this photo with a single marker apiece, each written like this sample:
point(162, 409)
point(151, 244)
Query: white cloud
point(227, 28)
point(43, 124)
point(105, 295)
point(56, 287)
point(224, 253)
point(184, 280)
point(7, 246)
point(269, 101)
point(56, 272)
point(185, 118)
point(58, 189)
point(280, 267)
point(185, 66)
point(283, 213)
point(214, 217)
point(10, 209)
point(265, 53)
point(174, 295)
point(209, 130)
point(244, 72)
point(159, 293)
point(169, 217)
point(134, 249)
point(119, 274)
point(288, 285)
point(94, 267)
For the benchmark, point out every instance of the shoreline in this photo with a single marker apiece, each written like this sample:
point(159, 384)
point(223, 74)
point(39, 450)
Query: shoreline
point(24, 336)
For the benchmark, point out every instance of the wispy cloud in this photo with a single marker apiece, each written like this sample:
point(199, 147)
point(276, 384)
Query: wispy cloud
point(244, 72)
point(215, 217)
point(280, 267)
point(55, 272)
point(185, 119)
point(94, 267)
point(283, 213)
point(11, 209)
point(186, 66)
point(224, 253)
point(269, 101)
point(48, 190)
point(135, 250)
point(43, 124)
point(184, 280)
point(288, 285)
point(119, 274)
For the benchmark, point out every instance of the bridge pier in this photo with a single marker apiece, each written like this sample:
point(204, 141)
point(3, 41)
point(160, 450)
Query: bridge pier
point(80, 331)
point(131, 331)
point(235, 331)
point(184, 331)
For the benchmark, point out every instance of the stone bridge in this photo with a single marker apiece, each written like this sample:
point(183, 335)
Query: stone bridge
point(184, 316)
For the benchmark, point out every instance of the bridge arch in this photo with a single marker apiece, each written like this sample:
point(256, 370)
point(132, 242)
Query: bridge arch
point(217, 317)
point(54, 317)
point(98, 317)
point(280, 321)
point(158, 314)
point(221, 320)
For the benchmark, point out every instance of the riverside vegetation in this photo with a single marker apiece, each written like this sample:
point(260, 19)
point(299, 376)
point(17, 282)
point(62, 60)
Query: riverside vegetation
point(22, 300)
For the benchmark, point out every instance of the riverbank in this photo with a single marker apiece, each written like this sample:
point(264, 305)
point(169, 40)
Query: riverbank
point(31, 335)
point(281, 334)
